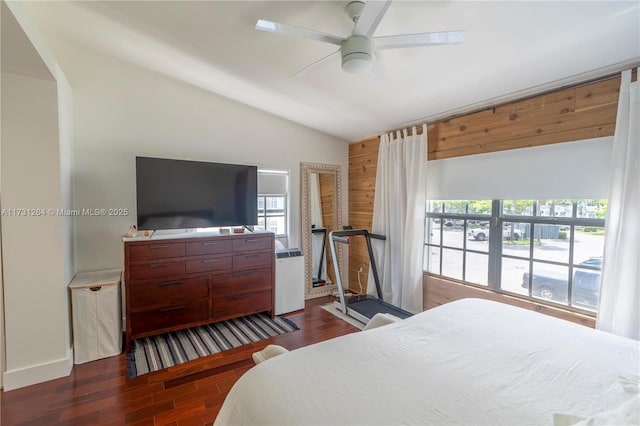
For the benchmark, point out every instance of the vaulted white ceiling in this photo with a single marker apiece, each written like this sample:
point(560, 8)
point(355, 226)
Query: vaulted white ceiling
point(510, 49)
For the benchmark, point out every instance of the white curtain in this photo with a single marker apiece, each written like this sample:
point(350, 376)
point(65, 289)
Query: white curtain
point(619, 310)
point(316, 219)
point(399, 214)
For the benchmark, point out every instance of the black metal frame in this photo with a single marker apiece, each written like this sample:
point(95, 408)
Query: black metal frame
point(344, 237)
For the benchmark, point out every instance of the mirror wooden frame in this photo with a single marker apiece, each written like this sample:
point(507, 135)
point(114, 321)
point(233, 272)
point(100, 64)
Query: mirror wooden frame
point(306, 169)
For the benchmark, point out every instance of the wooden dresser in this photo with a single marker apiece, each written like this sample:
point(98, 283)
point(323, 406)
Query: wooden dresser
point(175, 283)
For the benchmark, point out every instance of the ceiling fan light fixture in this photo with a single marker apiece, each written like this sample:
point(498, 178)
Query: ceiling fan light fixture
point(357, 54)
point(357, 63)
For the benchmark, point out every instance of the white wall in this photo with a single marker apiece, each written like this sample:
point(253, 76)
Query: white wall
point(122, 111)
point(37, 251)
point(36, 315)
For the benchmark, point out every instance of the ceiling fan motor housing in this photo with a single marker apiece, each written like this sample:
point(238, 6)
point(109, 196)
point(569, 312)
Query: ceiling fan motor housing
point(357, 54)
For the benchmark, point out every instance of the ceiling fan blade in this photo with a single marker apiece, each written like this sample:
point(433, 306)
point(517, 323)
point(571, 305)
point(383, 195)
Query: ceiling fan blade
point(306, 69)
point(416, 40)
point(290, 30)
point(370, 17)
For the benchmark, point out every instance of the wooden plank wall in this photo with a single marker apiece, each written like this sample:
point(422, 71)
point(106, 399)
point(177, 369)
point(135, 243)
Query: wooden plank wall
point(581, 112)
point(363, 163)
point(327, 185)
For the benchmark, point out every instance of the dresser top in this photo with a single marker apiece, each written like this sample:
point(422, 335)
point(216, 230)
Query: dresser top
point(181, 233)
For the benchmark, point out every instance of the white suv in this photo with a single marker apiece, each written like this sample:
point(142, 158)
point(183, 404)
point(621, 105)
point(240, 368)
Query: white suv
point(482, 234)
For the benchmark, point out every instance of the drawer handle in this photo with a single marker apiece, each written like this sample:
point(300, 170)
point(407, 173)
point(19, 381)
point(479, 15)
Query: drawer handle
point(255, 240)
point(95, 288)
point(209, 261)
point(252, 256)
point(170, 283)
point(158, 247)
point(158, 265)
point(242, 274)
point(242, 296)
point(215, 243)
point(173, 308)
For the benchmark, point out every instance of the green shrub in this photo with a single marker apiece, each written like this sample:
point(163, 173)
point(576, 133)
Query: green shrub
point(562, 235)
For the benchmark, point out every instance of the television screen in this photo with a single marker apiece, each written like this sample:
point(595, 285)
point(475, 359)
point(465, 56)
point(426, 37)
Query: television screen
point(174, 194)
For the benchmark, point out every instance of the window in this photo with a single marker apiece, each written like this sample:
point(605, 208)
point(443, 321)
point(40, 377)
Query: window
point(547, 250)
point(272, 214)
point(273, 203)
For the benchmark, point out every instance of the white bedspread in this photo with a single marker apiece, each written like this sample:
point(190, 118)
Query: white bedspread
point(469, 362)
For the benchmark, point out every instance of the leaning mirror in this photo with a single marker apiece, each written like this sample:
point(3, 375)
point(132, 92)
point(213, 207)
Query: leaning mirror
point(321, 213)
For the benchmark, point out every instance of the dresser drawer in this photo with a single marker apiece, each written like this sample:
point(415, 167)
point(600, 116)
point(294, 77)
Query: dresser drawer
point(241, 282)
point(209, 264)
point(241, 304)
point(209, 247)
point(157, 319)
point(157, 270)
point(253, 243)
point(241, 261)
point(156, 251)
point(165, 293)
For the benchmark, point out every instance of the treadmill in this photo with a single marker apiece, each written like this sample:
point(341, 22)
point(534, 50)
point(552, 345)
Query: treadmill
point(361, 307)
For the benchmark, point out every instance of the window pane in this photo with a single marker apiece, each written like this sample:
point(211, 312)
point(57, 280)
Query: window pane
point(433, 231)
point(448, 222)
point(432, 259)
point(455, 206)
point(586, 289)
point(480, 207)
point(515, 274)
point(588, 246)
point(275, 205)
point(594, 209)
point(517, 207)
point(435, 206)
point(261, 204)
point(452, 263)
point(515, 241)
point(477, 240)
point(551, 243)
point(260, 223)
point(477, 268)
point(275, 224)
point(453, 234)
point(555, 208)
point(550, 282)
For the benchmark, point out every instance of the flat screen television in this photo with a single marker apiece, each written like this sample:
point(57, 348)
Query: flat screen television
point(175, 194)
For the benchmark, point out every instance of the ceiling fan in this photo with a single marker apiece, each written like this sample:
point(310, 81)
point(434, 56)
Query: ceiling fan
point(357, 49)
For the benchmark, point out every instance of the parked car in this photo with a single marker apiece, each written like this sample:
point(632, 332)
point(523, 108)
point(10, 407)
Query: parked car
point(482, 234)
point(451, 223)
point(551, 285)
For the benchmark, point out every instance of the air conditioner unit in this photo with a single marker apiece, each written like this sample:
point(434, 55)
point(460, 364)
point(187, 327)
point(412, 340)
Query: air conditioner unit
point(289, 280)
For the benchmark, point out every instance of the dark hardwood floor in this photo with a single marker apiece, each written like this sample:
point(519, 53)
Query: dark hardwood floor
point(99, 393)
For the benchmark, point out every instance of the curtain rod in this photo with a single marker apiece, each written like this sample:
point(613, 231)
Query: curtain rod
point(633, 65)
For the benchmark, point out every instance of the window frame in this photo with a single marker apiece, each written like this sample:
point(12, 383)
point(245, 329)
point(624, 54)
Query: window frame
point(496, 220)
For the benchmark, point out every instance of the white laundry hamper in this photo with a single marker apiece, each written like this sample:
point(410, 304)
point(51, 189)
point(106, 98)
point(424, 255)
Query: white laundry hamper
point(97, 318)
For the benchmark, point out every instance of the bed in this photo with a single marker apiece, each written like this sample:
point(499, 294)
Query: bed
point(469, 362)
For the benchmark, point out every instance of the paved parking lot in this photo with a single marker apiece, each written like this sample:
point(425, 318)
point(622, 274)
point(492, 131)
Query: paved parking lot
point(585, 246)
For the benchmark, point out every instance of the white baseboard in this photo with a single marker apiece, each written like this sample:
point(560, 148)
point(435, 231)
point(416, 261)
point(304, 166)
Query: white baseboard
point(31, 375)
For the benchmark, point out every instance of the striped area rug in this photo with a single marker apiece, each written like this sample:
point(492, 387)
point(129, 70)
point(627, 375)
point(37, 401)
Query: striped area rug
point(164, 350)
